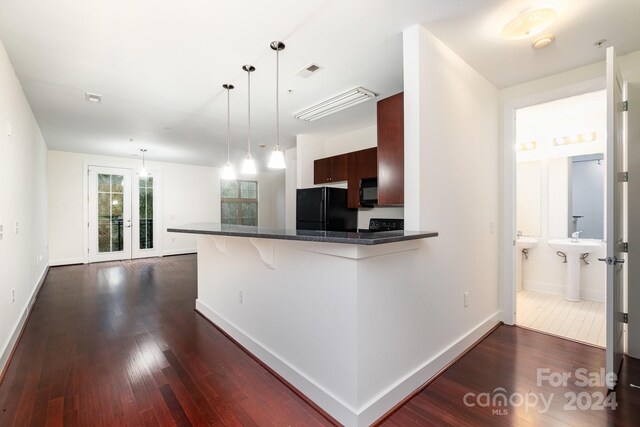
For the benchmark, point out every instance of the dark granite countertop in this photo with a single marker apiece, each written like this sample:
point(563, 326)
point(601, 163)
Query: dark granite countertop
point(351, 238)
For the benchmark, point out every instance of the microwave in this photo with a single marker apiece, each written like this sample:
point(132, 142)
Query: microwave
point(368, 192)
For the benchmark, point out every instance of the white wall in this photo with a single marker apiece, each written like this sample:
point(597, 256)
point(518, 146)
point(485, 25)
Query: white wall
point(189, 194)
point(451, 186)
point(312, 147)
point(23, 190)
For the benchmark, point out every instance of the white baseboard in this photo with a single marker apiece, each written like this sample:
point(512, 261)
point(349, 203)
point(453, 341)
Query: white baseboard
point(170, 252)
point(65, 261)
point(17, 330)
point(558, 289)
point(377, 407)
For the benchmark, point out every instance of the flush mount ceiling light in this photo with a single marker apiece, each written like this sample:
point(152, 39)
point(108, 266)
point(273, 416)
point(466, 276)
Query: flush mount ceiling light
point(337, 103)
point(528, 24)
point(249, 165)
point(93, 97)
point(277, 156)
point(227, 171)
point(542, 42)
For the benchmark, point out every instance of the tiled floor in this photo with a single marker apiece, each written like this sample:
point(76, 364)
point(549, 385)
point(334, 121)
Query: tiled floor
point(581, 321)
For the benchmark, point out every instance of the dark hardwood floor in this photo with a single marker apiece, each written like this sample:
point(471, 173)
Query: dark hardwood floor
point(119, 344)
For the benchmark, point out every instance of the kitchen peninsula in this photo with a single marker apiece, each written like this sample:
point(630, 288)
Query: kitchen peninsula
point(320, 308)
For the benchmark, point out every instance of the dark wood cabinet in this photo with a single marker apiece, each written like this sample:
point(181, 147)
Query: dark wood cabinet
point(361, 164)
point(330, 169)
point(391, 150)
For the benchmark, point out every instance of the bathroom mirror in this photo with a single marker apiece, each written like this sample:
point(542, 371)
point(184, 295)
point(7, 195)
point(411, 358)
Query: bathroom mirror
point(528, 179)
point(576, 196)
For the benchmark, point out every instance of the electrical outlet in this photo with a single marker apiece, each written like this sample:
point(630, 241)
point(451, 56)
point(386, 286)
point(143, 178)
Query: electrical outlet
point(466, 299)
point(13, 295)
point(241, 297)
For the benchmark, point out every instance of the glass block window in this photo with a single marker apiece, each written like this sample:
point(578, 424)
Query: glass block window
point(146, 212)
point(239, 202)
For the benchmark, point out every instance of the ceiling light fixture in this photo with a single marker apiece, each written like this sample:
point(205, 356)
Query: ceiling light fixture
point(277, 156)
point(143, 173)
point(528, 24)
point(335, 104)
point(227, 171)
point(249, 165)
point(544, 41)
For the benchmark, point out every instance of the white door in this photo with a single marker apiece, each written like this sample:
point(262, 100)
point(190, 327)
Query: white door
point(109, 214)
point(146, 220)
point(615, 231)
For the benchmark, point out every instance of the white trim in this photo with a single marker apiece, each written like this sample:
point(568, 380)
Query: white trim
point(17, 330)
point(66, 261)
point(508, 231)
point(170, 252)
point(341, 411)
point(559, 289)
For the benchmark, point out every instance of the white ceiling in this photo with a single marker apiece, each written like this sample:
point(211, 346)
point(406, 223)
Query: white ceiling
point(160, 64)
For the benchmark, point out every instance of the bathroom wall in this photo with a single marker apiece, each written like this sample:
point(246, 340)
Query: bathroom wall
point(544, 271)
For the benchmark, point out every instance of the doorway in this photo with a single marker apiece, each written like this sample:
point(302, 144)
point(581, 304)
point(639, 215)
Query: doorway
point(560, 204)
point(122, 210)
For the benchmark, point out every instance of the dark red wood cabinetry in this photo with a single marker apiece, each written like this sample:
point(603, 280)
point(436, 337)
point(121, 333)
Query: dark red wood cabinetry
point(391, 150)
point(361, 164)
point(330, 169)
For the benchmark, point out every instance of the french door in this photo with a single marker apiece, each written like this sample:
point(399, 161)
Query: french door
point(109, 214)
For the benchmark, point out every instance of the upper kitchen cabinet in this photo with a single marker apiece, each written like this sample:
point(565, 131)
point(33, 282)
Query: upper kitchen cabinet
point(330, 169)
point(361, 164)
point(391, 150)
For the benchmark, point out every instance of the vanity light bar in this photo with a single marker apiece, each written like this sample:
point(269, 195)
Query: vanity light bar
point(528, 146)
point(335, 104)
point(581, 137)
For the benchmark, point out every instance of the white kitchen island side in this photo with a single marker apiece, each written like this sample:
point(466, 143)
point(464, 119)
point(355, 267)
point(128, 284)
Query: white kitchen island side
point(328, 317)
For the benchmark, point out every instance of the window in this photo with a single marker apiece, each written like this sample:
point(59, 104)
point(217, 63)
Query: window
point(110, 221)
point(239, 202)
point(146, 212)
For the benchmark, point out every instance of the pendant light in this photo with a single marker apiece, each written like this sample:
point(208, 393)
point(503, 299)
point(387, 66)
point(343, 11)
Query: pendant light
point(277, 156)
point(249, 166)
point(227, 171)
point(143, 172)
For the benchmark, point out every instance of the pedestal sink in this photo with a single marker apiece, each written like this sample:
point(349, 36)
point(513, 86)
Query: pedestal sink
point(522, 243)
point(573, 249)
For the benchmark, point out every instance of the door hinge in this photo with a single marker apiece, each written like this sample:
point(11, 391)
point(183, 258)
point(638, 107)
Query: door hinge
point(624, 106)
point(625, 247)
point(624, 177)
point(88, 225)
point(625, 317)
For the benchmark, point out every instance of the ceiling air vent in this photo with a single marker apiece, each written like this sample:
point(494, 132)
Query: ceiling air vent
point(93, 97)
point(308, 70)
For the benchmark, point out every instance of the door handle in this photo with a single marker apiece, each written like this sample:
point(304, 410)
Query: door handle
point(612, 260)
point(127, 226)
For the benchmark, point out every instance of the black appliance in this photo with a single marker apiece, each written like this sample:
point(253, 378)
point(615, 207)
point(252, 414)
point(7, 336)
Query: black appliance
point(384, 224)
point(368, 192)
point(324, 208)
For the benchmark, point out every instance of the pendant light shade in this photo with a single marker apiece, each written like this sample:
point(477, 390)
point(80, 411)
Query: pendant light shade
point(227, 171)
point(277, 156)
point(143, 173)
point(249, 165)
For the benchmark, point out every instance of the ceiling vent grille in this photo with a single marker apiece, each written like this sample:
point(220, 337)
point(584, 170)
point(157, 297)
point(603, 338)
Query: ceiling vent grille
point(308, 70)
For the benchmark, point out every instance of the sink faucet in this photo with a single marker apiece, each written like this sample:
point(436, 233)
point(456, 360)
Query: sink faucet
point(575, 236)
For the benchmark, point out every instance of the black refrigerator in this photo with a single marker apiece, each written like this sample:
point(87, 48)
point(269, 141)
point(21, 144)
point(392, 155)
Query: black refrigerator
point(324, 208)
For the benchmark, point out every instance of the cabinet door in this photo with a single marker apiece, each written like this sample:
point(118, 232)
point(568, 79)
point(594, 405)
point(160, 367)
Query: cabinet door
point(322, 171)
point(330, 169)
point(361, 164)
point(391, 150)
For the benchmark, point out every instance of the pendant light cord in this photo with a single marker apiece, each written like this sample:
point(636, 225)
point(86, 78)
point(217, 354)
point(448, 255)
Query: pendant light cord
point(249, 114)
point(228, 128)
point(277, 100)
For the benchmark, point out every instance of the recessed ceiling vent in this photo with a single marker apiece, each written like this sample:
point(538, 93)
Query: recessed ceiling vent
point(93, 97)
point(308, 70)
